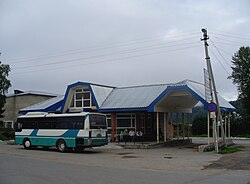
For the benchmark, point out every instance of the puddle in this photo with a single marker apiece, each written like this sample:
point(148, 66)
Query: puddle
point(126, 153)
point(168, 157)
point(129, 156)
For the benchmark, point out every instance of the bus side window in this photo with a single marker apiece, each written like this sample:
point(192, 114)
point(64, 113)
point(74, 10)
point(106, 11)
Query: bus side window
point(29, 123)
point(18, 126)
point(79, 125)
point(77, 122)
point(43, 124)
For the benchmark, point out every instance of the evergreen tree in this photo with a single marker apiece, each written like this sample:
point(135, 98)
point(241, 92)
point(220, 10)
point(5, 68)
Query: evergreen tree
point(241, 76)
point(4, 85)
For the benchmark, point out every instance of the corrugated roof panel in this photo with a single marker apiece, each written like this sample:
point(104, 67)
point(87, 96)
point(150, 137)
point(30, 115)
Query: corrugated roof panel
point(224, 103)
point(130, 97)
point(133, 97)
point(143, 96)
point(101, 93)
point(44, 104)
point(32, 93)
point(200, 90)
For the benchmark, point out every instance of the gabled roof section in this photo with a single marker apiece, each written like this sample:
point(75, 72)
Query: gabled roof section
point(135, 97)
point(101, 93)
point(147, 96)
point(52, 104)
point(98, 92)
point(151, 98)
point(199, 88)
point(32, 93)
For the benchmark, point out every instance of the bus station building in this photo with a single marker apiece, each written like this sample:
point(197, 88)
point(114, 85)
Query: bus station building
point(153, 109)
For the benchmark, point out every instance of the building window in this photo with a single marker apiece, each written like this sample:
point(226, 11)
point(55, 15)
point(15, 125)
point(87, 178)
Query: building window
point(126, 121)
point(142, 120)
point(81, 98)
point(109, 121)
point(8, 124)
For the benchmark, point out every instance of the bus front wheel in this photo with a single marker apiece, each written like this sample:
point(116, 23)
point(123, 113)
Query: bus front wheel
point(61, 146)
point(27, 144)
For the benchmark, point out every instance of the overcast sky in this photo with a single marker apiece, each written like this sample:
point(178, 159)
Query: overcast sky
point(51, 44)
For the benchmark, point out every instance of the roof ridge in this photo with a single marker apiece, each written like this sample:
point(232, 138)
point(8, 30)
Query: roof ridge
point(107, 97)
point(101, 85)
point(149, 85)
point(195, 82)
point(31, 92)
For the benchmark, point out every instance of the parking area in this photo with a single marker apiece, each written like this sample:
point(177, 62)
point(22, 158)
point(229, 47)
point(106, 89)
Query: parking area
point(181, 163)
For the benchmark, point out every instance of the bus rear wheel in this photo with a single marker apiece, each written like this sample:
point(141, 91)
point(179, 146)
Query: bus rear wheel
point(61, 146)
point(27, 144)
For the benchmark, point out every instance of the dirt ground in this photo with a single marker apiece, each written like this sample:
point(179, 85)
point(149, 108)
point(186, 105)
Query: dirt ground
point(234, 161)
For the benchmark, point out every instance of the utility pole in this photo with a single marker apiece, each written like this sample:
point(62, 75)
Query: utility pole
point(213, 91)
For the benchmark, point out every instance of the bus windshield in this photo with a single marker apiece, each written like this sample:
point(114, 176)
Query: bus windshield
point(97, 121)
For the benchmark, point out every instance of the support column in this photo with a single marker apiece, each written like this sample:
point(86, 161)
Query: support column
point(183, 126)
point(218, 129)
point(229, 125)
point(171, 129)
point(165, 127)
point(188, 121)
point(177, 126)
point(208, 127)
point(225, 126)
point(114, 126)
point(137, 122)
point(157, 127)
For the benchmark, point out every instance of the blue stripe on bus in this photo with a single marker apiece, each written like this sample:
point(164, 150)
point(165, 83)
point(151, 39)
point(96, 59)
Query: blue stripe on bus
point(70, 133)
point(34, 132)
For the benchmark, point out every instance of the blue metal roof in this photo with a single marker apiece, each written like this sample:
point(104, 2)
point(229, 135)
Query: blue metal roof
point(147, 96)
point(52, 104)
point(98, 92)
point(101, 93)
point(33, 93)
point(135, 98)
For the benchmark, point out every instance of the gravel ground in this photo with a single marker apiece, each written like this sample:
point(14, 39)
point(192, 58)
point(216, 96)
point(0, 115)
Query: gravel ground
point(234, 161)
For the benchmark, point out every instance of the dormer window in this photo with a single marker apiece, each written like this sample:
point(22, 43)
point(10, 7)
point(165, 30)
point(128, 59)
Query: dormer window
point(81, 98)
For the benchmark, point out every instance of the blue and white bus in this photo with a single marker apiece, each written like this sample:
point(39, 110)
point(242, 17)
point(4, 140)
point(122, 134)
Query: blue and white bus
point(63, 131)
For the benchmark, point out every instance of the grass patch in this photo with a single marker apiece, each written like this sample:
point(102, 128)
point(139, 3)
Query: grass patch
point(3, 138)
point(6, 134)
point(230, 149)
point(200, 135)
point(243, 136)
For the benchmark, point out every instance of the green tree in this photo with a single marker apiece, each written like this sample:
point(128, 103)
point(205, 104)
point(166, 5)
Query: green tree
point(199, 125)
point(241, 76)
point(4, 85)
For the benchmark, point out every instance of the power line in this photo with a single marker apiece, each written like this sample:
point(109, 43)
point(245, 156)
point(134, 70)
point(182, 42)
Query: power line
point(100, 47)
point(91, 50)
point(108, 60)
point(226, 61)
point(228, 44)
point(236, 36)
point(220, 62)
point(99, 56)
point(225, 51)
point(230, 41)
